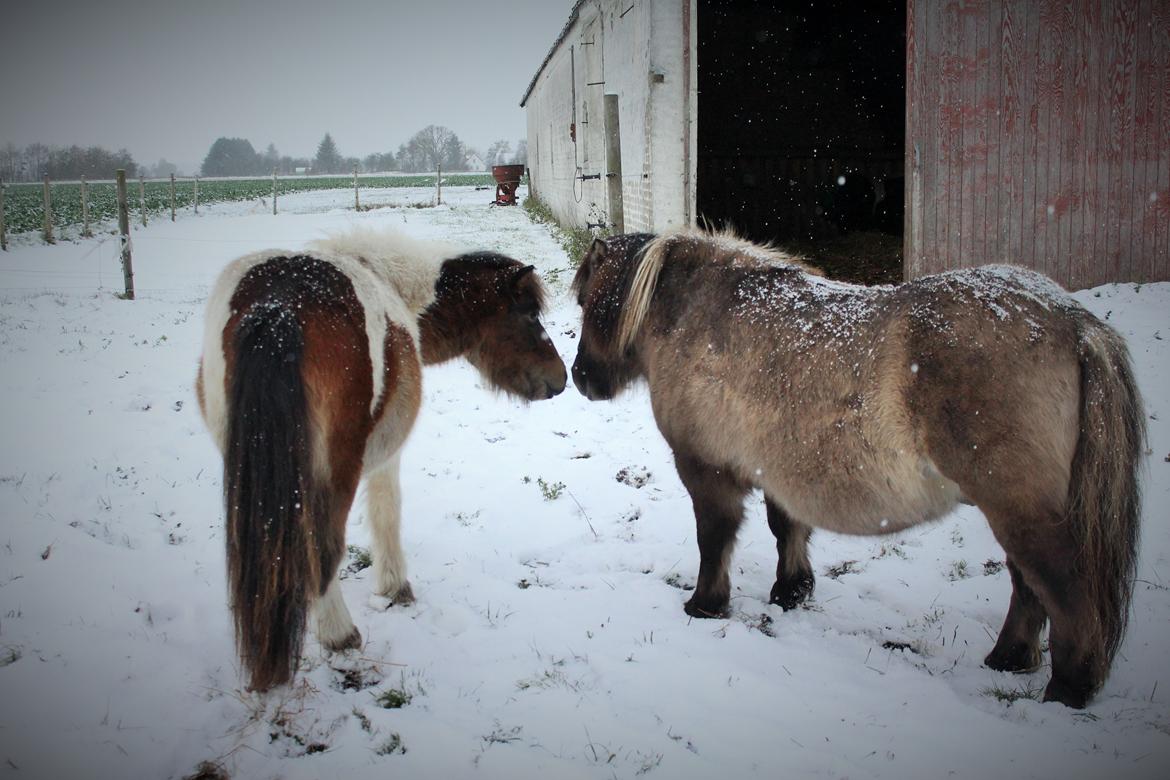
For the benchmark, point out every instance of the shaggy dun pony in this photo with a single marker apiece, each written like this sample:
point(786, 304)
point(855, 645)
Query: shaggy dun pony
point(311, 377)
point(870, 410)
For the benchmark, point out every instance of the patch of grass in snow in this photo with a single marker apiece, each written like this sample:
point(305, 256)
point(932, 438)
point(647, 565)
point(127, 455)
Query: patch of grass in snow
point(549, 678)
point(550, 491)
point(392, 746)
point(887, 549)
point(208, 770)
point(762, 623)
point(958, 571)
point(359, 558)
point(501, 735)
point(844, 567)
point(9, 656)
point(574, 240)
point(1010, 696)
point(393, 699)
point(992, 567)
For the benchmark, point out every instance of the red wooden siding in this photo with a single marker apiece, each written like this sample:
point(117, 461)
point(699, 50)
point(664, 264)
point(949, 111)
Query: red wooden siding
point(1038, 133)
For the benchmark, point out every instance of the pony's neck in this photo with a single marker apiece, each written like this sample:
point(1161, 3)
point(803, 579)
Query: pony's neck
point(443, 335)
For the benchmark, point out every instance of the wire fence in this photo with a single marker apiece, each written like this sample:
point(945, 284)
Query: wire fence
point(52, 207)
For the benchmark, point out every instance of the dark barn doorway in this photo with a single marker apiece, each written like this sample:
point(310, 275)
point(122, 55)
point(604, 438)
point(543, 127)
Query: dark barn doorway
point(802, 125)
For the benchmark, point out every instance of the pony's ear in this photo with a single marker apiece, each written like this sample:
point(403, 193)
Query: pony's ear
point(595, 252)
point(526, 288)
point(519, 275)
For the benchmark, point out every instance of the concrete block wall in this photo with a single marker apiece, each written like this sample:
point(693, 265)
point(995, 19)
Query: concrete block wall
point(640, 58)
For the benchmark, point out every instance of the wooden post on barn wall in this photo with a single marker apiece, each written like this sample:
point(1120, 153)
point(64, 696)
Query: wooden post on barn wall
point(613, 165)
point(124, 231)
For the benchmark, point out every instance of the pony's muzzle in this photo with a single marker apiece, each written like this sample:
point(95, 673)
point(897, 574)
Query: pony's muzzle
point(588, 386)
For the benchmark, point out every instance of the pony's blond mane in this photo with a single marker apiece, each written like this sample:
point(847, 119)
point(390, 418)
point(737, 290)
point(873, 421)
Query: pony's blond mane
point(721, 243)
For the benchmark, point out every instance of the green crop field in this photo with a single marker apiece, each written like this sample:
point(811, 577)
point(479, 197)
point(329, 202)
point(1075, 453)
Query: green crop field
point(24, 203)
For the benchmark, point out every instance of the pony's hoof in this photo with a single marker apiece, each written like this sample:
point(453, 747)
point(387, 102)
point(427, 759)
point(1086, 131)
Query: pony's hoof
point(1070, 696)
point(401, 597)
point(351, 641)
point(790, 594)
point(404, 596)
point(1018, 659)
point(699, 610)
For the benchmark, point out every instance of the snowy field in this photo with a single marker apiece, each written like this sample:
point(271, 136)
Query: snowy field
point(550, 546)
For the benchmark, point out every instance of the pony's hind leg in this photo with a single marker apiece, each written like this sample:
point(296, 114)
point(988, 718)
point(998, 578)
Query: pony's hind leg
point(385, 509)
point(335, 628)
point(1045, 555)
point(334, 625)
point(717, 497)
point(1018, 646)
point(794, 574)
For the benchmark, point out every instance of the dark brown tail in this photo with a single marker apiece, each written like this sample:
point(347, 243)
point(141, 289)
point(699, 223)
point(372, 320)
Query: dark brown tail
point(271, 502)
point(1104, 506)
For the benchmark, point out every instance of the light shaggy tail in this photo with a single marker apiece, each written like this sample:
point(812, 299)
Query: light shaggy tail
point(1104, 505)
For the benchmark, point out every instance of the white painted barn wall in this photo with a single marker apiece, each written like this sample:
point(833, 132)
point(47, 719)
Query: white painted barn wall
point(628, 53)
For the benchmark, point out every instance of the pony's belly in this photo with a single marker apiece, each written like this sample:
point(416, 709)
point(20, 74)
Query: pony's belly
point(881, 502)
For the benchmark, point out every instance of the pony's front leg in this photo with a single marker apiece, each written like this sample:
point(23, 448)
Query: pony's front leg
point(335, 628)
point(717, 496)
point(385, 508)
point(794, 574)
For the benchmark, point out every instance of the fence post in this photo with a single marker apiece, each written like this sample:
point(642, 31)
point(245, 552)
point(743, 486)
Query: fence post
point(356, 205)
point(196, 194)
point(124, 230)
point(3, 234)
point(439, 185)
point(172, 197)
point(274, 192)
point(48, 213)
point(142, 198)
point(613, 165)
point(85, 231)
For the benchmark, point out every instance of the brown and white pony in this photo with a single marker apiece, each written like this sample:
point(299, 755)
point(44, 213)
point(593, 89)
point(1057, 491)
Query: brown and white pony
point(311, 378)
point(870, 410)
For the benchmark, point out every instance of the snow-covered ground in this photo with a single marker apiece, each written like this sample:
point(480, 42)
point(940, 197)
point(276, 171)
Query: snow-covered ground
point(549, 545)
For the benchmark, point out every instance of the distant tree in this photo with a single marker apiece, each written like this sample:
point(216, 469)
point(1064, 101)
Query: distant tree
point(73, 162)
point(36, 161)
point(162, 169)
point(328, 160)
point(497, 153)
point(231, 157)
point(9, 162)
point(521, 156)
point(432, 147)
point(271, 159)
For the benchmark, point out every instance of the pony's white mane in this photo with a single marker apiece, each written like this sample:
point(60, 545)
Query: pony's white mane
point(409, 265)
point(724, 242)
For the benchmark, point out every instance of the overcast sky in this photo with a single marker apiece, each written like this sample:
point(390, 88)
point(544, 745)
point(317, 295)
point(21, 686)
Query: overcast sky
point(165, 78)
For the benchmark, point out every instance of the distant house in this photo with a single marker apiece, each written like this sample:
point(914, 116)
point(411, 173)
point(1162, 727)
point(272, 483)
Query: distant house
point(474, 162)
point(1034, 132)
point(302, 171)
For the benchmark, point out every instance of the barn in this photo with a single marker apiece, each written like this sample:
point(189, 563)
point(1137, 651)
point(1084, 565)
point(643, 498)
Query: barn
point(960, 132)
